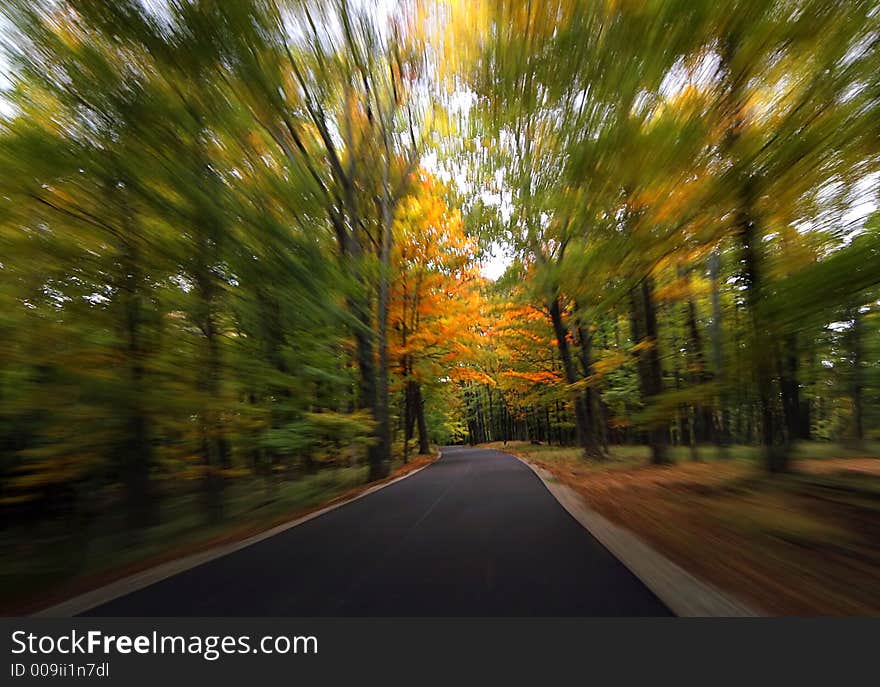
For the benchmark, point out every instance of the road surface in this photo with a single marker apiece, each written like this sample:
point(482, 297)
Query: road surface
point(474, 534)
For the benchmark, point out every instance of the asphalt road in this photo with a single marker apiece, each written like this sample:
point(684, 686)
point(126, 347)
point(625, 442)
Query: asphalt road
point(474, 534)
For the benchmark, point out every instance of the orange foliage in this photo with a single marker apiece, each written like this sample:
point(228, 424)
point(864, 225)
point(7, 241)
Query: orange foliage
point(435, 300)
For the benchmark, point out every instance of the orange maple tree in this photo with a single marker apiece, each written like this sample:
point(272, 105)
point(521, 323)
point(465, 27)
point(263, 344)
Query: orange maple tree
point(435, 300)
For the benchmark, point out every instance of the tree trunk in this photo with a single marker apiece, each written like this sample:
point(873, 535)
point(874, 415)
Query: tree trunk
point(213, 444)
point(419, 406)
point(701, 419)
point(409, 417)
point(582, 421)
point(644, 322)
point(763, 341)
point(720, 429)
point(380, 456)
point(590, 395)
point(360, 306)
point(491, 433)
point(746, 185)
point(137, 453)
point(367, 391)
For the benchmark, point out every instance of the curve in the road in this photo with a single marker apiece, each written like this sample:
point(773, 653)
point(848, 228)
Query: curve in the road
point(474, 534)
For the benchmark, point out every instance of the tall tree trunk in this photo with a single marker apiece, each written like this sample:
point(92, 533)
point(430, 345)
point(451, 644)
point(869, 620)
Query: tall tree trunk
point(763, 342)
point(214, 448)
point(360, 306)
point(471, 419)
point(419, 407)
point(380, 456)
point(582, 421)
point(644, 322)
point(558, 418)
point(590, 395)
point(409, 417)
point(137, 453)
point(764, 346)
point(701, 418)
point(549, 434)
point(491, 434)
point(720, 427)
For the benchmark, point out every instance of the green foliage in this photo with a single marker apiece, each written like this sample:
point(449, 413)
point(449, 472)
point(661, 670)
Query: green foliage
point(190, 252)
point(320, 430)
point(716, 152)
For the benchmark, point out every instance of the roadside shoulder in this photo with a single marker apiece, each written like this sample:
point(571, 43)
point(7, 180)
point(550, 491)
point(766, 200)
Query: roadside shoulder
point(144, 578)
point(682, 592)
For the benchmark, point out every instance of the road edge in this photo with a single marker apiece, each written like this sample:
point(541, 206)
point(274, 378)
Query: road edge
point(132, 583)
point(684, 594)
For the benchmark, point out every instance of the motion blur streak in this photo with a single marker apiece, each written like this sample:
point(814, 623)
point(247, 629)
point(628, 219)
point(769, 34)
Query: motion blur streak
point(242, 248)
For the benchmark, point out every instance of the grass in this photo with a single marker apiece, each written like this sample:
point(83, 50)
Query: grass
point(807, 543)
point(55, 559)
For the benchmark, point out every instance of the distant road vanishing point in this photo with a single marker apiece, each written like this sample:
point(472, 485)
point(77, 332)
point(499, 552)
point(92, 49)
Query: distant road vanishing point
point(474, 534)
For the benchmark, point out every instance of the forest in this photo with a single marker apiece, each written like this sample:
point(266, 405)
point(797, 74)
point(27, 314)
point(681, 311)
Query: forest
point(266, 250)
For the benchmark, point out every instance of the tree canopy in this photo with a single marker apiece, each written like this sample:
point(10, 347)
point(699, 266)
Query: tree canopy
point(246, 238)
